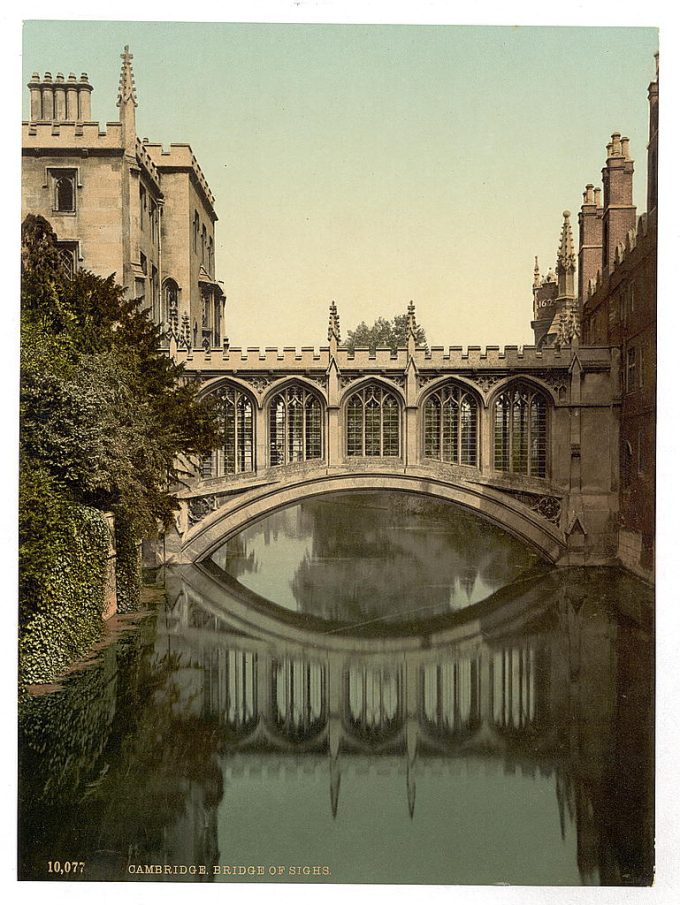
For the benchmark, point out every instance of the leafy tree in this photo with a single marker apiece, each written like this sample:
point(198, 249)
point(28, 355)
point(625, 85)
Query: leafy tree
point(103, 411)
point(384, 333)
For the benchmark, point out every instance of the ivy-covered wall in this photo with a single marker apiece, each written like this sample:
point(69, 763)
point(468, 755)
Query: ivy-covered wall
point(63, 562)
point(128, 566)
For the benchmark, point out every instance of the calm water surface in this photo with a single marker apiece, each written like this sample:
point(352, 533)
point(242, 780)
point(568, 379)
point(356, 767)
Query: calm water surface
point(367, 688)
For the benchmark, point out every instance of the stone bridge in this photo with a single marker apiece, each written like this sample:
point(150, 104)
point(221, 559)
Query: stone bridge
point(525, 438)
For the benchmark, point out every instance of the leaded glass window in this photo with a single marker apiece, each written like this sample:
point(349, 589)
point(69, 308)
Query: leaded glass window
point(520, 431)
point(373, 422)
point(236, 453)
point(294, 426)
point(450, 426)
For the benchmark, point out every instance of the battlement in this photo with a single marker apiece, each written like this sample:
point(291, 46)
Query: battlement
point(179, 156)
point(72, 136)
point(476, 358)
point(624, 249)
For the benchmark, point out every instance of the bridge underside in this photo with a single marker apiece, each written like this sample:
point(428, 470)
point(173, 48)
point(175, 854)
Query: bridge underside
point(230, 514)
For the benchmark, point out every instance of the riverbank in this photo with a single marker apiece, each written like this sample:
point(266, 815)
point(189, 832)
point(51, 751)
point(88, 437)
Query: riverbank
point(114, 627)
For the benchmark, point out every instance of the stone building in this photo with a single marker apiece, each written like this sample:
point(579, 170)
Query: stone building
point(124, 206)
point(617, 298)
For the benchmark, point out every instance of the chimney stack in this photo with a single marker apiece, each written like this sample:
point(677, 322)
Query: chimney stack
point(619, 213)
point(60, 100)
point(589, 239)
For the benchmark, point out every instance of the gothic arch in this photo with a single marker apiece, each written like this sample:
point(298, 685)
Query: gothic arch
point(520, 428)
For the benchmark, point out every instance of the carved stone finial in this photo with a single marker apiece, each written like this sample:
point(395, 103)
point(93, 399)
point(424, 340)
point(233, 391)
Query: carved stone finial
point(126, 89)
point(333, 323)
point(566, 257)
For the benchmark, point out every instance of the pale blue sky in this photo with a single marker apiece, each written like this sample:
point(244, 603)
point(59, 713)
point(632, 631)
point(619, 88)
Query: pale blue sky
point(376, 164)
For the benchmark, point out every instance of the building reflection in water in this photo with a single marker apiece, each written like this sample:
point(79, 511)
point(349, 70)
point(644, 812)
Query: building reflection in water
point(551, 677)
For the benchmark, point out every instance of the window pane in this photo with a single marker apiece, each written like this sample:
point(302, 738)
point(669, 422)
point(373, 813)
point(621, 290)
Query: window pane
point(355, 418)
point(468, 431)
point(502, 433)
point(390, 426)
point(538, 437)
point(432, 428)
point(372, 416)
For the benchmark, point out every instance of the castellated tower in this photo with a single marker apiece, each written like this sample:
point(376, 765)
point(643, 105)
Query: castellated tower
point(124, 206)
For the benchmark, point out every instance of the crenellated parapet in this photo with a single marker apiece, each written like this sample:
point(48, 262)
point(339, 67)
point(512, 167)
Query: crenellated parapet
point(67, 137)
point(641, 238)
point(271, 358)
point(180, 157)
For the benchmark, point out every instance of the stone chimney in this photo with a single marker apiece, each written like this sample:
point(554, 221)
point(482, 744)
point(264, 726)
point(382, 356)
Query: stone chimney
point(589, 239)
point(619, 213)
point(59, 100)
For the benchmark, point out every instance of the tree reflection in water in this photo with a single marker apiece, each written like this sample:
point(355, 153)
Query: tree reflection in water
point(507, 742)
point(382, 555)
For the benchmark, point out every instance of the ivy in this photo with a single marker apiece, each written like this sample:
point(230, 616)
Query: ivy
point(63, 548)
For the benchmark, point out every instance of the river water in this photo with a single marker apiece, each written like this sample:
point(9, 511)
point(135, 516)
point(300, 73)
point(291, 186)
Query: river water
point(364, 688)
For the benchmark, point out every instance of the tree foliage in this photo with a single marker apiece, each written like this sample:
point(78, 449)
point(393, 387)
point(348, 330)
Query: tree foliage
point(103, 411)
point(391, 334)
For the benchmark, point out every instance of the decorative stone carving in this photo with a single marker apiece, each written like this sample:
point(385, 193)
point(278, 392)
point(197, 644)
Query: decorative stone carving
point(260, 382)
point(320, 379)
point(548, 507)
point(558, 381)
point(346, 379)
point(486, 381)
point(199, 507)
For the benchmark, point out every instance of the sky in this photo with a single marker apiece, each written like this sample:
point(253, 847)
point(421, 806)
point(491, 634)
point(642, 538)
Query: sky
point(376, 164)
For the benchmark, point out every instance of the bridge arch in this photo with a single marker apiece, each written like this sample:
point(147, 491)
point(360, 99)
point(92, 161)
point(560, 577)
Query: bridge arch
point(237, 512)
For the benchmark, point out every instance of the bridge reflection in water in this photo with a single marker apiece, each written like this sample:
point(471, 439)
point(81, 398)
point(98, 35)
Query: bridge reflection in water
point(547, 681)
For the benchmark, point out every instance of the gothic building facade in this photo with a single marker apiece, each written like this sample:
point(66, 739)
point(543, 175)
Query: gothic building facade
point(615, 306)
point(124, 206)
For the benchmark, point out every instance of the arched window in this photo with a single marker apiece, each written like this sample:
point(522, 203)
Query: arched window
point(450, 426)
point(236, 453)
point(373, 422)
point(520, 431)
point(65, 192)
point(294, 426)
